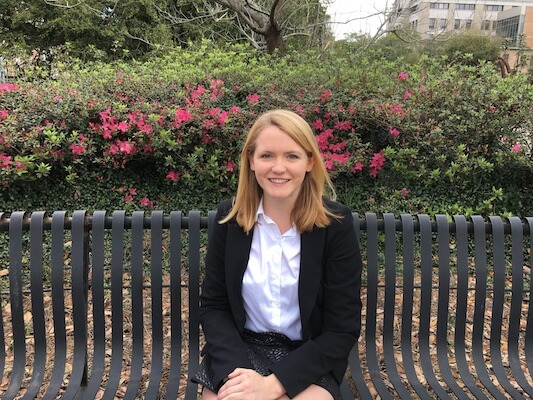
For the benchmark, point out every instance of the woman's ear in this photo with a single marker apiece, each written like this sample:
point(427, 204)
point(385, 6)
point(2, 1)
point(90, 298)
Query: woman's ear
point(310, 164)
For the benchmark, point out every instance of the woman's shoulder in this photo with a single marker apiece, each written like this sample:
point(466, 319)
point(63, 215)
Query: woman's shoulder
point(336, 208)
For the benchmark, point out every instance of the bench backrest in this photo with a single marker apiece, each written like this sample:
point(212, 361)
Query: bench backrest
point(106, 304)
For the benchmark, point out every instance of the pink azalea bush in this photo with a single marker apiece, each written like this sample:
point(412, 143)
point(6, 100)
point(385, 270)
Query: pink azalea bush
point(428, 139)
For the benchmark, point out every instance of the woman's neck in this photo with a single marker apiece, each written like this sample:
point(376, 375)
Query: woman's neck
point(280, 212)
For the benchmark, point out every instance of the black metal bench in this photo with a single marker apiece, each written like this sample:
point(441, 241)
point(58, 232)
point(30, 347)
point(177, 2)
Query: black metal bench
point(106, 306)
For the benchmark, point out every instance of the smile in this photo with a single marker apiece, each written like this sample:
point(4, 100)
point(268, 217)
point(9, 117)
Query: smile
point(278, 180)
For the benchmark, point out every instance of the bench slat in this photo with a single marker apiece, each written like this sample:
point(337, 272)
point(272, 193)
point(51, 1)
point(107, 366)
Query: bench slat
point(462, 306)
point(78, 377)
point(137, 304)
point(194, 298)
point(480, 241)
point(97, 301)
point(517, 288)
point(156, 278)
point(175, 305)
point(17, 310)
point(37, 305)
point(58, 305)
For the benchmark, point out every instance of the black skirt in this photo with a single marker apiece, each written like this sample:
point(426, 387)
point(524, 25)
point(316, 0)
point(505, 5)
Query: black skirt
point(263, 350)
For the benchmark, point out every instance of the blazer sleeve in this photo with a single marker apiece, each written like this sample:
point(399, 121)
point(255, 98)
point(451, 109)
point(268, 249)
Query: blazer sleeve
point(224, 342)
point(328, 349)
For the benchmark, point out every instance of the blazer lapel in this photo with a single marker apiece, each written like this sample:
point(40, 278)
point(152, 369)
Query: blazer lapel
point(238, 245)
point(310, 273)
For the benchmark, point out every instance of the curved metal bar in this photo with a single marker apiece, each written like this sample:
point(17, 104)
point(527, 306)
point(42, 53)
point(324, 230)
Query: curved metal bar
point(462, 306)
point(97, 297)
point(353, 359)
point(372, 305)
point(37, 305)
point(58, 305)
point(175, 304)
point(408, 241)
point(480, 249)
point(389, 307)
point(498, 300)
point(17, 307)
point(194, 299)
point(443, 238)
point(529, 328)
point(117, 312)
point(156, 263)
point(426, 253)
point(137, 320)
point(78, 378)
point(515, 313)
point(2, 335)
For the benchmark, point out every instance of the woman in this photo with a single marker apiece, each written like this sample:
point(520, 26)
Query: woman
point(280, 303)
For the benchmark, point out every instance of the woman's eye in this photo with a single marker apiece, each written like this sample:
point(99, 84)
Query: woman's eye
point(265, 155)
point(293, 156)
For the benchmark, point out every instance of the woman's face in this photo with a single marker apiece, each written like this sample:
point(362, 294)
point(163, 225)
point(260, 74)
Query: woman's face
point(280, 165)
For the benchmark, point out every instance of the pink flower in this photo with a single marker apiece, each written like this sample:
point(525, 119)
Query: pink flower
point(77, 149)
point(173, 176)
point(230, 166)
point(146, 202)
point(128, 198)
point(404, 192)
point(221, 120)
point(253, 98)
point(358, 166)
point(126, 147)
point(318, 125)
point(58, 98)
point(122, 126)
point(491, 109)
point(406, 94)
point(343, 125)
point(516, 147)
point(394, 132)
point(376, 164)
point(326, 95)
point(182, 116)
point(3, 114)
point(5, 160)
point(133, 191)
point(8, 87)
point(403, 76)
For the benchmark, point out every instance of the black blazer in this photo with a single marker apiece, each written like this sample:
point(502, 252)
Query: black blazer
point(329, 296)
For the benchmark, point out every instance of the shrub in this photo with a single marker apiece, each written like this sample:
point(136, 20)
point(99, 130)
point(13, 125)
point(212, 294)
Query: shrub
point(167, 133)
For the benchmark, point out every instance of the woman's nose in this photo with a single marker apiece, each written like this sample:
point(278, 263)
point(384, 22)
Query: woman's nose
point(279, 166)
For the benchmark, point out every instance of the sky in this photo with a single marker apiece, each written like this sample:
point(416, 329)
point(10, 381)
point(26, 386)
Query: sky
point(343, 10)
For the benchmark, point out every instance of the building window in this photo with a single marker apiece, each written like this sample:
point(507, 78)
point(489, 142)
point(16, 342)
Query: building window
point(468, 24)
point(465, 7)
point(508, 28)
point(456, 24)
point(494, 25)
point(485, 25)
point(439, 6)
point(432, 23)
point(493, 8)
point(442, 24)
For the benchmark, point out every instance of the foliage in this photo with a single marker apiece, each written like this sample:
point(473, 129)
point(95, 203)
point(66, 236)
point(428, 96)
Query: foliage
point(166, 133)
point(472, 46)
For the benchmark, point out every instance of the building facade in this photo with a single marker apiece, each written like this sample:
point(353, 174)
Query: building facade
point(512, 20)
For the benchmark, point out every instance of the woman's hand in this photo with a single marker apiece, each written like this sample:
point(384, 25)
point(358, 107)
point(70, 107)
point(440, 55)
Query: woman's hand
point(246, 384)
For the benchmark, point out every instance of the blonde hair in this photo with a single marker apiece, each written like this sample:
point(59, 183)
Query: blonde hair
point(309, 209)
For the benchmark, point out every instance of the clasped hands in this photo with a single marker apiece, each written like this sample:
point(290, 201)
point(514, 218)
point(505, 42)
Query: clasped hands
point(247, 384)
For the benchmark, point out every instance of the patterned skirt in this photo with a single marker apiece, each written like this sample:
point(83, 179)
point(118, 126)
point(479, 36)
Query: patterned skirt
point(263, 350)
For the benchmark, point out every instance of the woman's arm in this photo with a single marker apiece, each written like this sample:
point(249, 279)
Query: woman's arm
point(224, 343)
point(327, 351)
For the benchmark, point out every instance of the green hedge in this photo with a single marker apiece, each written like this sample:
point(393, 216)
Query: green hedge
point(166, 133)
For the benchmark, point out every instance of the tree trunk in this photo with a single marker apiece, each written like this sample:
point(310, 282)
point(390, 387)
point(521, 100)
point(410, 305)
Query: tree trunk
point(274, 40)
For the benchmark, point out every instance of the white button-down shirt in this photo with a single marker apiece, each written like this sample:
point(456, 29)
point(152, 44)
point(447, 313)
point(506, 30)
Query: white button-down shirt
point(270, 283)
